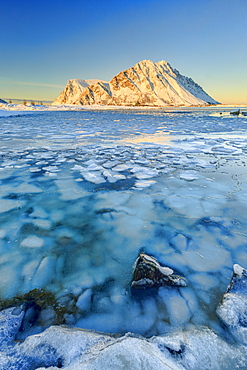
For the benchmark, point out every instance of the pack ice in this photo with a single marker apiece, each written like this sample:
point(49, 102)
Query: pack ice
point(82, 195)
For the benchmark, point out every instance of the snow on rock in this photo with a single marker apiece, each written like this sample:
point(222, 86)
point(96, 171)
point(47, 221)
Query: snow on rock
point(233, 308)
point(73, 349)
point(73, 91)
point(201, 348)
point(145, 84)
point(10, 322)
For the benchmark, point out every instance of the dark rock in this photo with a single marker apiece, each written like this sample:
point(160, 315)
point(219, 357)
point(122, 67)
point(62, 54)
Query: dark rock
point(235, 112)
point(148, 273)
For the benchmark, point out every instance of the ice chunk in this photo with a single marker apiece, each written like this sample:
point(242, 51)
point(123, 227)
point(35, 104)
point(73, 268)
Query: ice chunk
point(110, 164)
point(112, 176)
point(177, 308)
point(146, 174)
point(2, 233)
point(203, 280)
point(44, 273)
point(83, 302)
point(43, 224)
point(69, 189)
point(113, 199)
point(94, 167)
point(94, 177)
point(141, 320)
point(189, 175)
point(27, 273)
point(34, 169)
point(32, 241)
point(78, 167)
point(39, 212)
point(208, 258)
point(9, 204)
point(120, 168)
point(180, 242)
point(144, 183)
point(26, 188)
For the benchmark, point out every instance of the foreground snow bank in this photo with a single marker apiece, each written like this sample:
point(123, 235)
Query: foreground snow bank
point(75, 349)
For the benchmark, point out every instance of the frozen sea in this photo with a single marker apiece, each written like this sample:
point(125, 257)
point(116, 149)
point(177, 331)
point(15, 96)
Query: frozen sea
point(82, 193)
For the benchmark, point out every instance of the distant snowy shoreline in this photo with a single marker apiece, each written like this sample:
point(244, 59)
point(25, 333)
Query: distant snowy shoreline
point(7, 110)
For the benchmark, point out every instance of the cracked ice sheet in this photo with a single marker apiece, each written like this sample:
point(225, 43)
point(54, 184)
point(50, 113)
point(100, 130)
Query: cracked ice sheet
point(194, 226)
point(166, 218)
point(69, 189)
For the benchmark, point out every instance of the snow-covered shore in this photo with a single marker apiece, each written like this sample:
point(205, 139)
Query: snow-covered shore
point(7, 110)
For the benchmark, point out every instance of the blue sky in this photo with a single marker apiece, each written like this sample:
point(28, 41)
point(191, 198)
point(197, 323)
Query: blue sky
point(45, 43)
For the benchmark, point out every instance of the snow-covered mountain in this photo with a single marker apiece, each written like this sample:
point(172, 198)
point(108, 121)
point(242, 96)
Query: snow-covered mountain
point(145, 84)
point(73, 90)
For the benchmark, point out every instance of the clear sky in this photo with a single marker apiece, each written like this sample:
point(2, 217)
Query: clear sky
point(45, 43)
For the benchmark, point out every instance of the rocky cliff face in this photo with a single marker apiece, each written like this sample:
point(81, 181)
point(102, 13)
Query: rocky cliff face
point(145, 84)
point(73, 90)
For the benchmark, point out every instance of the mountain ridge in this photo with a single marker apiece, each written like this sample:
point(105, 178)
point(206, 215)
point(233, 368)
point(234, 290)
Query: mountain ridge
point(145, 84)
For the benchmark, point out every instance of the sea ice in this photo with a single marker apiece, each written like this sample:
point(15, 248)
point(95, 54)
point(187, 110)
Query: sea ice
point(9, 204)
point(2, 233)
point(43, 224)
point(44, 273)
point(32, 241)
point(26, 188)
point(83, 302)
point(120, 168)
point(39, 212)
point(69, 189)
point(182, 201)
point(94, 177)
point(112, 176)
point(176, 306)
point(189, 175)
point(144, 183)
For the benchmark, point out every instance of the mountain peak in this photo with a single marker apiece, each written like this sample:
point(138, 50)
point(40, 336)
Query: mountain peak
point(146, 83)
point(146, 62)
